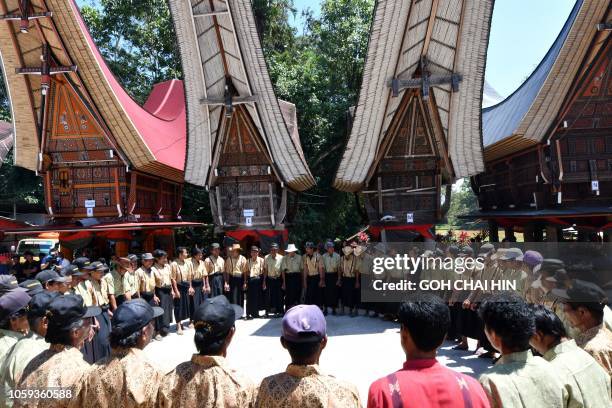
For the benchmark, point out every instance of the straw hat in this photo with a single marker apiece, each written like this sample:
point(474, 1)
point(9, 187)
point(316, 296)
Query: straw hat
point(291, 248)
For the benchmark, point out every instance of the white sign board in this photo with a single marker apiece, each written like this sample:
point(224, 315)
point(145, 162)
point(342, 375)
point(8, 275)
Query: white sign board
point(90, 203)
point(89, 212)
point(409, 218)
point(248, 212)
point(594, 185)
point(249, 221)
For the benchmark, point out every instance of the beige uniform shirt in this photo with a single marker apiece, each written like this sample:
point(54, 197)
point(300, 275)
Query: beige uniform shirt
point(107, 284)
point(16, 360)
point(85, 290)
point(311, 264)
point(214, 264)
point(8, 338)
point(597, 341)
point(254, 268)
point(349, 266)
point(292, 264)
point(306, 386)
point(118, 285)
point(197, 269)
point(59, 366)
point(124, 379)
point(180, 271)
point(100, 292)
point(520, 377)
point(235, 266)
point(162, 275)
point(131, 282)
point(146, 279)
point(273, 265)
point(331, 263)
point(206, 381)
point(586, 382)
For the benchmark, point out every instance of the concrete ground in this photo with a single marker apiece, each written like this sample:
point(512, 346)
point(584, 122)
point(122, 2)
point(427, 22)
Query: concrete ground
point(359, 350)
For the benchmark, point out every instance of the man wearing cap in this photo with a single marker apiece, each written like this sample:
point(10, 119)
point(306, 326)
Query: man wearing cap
point(303, 384)
point(7, 284)
point(331, 267)
point(146, 279)
point(312, 279)
point(163, 291)
point(206, 380)
point(272, 281)
point(13, 319)
point(349, 269)
point(62, 365)
point(126, 378)
point(32, 286)
point(99, 295)
point(53, 281)
point(423, 381)
point(29, 346)
point(253, 272)
point(586, 382)
point(215, 266)
point(132, 280)
point(235, 265)
point(181, 285)
point(119, 288)
point(584, 311)
point(199, 279)
point(291, 268)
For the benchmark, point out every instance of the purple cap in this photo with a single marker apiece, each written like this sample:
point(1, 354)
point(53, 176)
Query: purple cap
point(304, 323)
point(532, 258)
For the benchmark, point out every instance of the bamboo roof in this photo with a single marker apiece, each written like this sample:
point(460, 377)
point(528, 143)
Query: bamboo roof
point(218, 39)
point(6, 139)
point(529, 112)
point(146, 141)
point(453, 35)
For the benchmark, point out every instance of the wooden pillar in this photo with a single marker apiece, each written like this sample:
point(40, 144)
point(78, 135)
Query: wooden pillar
point(122, 247)
point(148, 244)
point(493, 231)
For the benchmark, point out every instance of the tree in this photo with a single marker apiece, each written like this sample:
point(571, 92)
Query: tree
point(463, 202)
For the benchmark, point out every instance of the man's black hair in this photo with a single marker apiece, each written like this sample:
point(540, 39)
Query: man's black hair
point(427, 319)
point(62, 335)
point(547, 322)
point(181, 249)
point(209, 346)
point(300, 352)
point(596, 309)
point(196, 251)
point(129, 341)
point(510, 318)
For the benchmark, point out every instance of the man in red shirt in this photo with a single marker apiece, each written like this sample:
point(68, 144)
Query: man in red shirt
point(423, 382)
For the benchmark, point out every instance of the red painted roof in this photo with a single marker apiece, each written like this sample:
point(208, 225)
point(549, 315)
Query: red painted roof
point(162, 122)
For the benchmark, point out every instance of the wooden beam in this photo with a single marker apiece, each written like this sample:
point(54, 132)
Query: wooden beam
point(271, 203)
point(211, 13)
point(430, 24)
point(236, 100)
point(397, 85)
point(380, 197)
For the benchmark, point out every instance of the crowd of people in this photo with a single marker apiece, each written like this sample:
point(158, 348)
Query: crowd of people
point(77, 329)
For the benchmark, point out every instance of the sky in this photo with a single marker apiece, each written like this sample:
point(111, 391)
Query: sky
point(522, 31)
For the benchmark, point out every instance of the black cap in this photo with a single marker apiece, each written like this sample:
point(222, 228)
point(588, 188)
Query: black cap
point(65, 310)
point(7, 283)
point(254, 248)
point(40, 303)
point(81, 262)
point(586, 292)
point(551, 264)
point(92, 266)
point(132, 316)
point(49, 275)
point(215, 245)
point(310, 244)
point(215, 317)
point(132, 258)
point(12, 302)
point(32, 286)
point(274, 245)
point(72, 270)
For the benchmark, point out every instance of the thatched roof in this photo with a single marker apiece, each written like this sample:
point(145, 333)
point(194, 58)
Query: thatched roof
point(525, 117)
point(6, 139)
point(453, 36)
point(217, 40)
point(147, 142)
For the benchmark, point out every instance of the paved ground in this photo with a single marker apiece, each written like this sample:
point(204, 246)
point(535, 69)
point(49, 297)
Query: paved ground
point(359, 350)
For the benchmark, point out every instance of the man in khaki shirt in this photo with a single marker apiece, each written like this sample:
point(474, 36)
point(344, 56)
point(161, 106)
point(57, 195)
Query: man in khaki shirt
point(517, 376)
point(291, 268)
point(349, 268)
point(313, 279)
point(273, 282)
point(304, 384)
point(584, 310)
point(330, 261)
point(234, 275)
point(586, 382)
point(13, 320)
point(215, 267)
point(253, 276)
point(206, 380)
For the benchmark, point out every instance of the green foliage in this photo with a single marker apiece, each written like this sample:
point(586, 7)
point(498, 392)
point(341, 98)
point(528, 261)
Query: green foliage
point(136, 37)
point(18, 185)
point(463, 202)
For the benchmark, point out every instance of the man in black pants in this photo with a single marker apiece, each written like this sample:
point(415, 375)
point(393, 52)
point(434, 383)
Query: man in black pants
point(291, 268)
point(272, 281)
point(215, 266)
